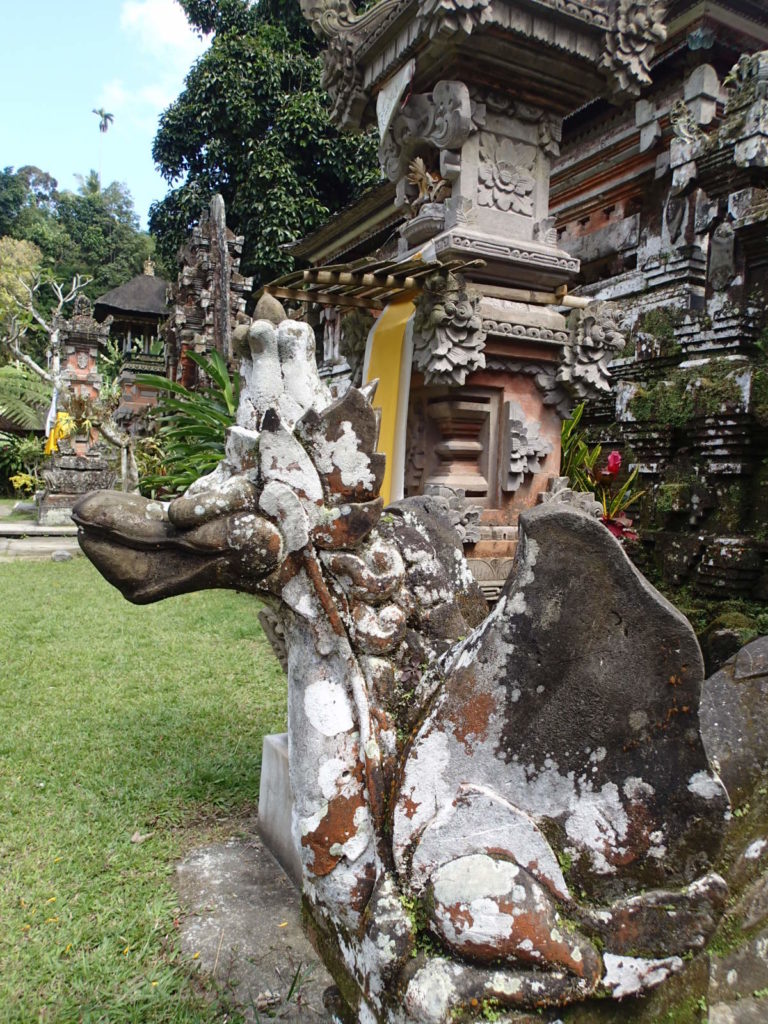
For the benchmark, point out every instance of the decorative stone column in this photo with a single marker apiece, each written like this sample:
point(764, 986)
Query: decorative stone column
point(469, 99)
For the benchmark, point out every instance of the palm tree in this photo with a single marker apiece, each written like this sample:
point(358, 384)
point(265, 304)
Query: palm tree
point(105, 119)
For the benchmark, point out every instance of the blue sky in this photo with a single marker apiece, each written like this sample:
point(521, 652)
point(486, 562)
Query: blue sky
point(59, 60)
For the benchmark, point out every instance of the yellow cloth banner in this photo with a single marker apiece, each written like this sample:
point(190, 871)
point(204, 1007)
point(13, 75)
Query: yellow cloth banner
point(385, 364)
point(58, 431)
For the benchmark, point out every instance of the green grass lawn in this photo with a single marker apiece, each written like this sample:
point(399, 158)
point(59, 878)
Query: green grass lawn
point(6, 509)
point(115, 720)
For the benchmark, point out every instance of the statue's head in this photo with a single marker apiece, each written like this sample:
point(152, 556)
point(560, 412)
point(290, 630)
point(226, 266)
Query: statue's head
point(300, 473)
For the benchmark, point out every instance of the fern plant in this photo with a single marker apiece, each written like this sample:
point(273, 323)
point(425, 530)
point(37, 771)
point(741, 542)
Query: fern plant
point(24, 397)
point(193, 424)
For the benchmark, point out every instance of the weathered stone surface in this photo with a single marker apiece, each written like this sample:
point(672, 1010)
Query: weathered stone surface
point(592, 735)
point(741, 973)
point(734, 717)
point(61, 555)
point(521, 800)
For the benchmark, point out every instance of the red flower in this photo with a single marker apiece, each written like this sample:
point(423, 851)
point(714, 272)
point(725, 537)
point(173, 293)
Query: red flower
point(620, 527)
point(614, 463)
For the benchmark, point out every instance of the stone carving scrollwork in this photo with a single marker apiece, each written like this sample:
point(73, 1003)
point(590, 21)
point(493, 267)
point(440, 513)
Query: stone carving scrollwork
point(636, 27)
point(524, 447)
point(448, 335)
point(684, 124)
point(506, 174)
point(447, 17)
point(442, 118)
point(454, 506)
point(595, 340)
point(553, 394)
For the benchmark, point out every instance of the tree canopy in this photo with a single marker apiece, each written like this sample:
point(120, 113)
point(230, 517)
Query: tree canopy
point(252, 123)
point(93, 232)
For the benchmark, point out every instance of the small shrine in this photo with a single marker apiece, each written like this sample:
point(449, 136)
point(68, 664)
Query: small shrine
point(208, 296)
point(138, 310)
point(79, 465)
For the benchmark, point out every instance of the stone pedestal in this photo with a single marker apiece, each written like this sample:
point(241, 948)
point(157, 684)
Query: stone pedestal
point(276, 806)
point(70, 475)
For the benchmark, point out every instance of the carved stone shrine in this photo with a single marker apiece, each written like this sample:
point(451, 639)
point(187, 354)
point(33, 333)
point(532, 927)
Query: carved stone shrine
point(469, 99)
point(208, 296)
point(79, 465)
point(495, 812)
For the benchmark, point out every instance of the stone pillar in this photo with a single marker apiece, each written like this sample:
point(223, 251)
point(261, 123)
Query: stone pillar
point(469, 99)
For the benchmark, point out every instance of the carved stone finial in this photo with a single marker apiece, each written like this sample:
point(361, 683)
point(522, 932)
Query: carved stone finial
point(269, 308)
point(596, 339)
point(636, 27)
point(448, 335)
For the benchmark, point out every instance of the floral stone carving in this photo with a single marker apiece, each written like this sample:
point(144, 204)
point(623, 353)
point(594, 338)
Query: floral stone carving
point(448, 335)
point(506, 177)
point(524, 448)
point(508, 808)
point(636, 28)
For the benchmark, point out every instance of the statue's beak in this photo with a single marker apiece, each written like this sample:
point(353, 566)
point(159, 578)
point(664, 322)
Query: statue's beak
point(136, 547)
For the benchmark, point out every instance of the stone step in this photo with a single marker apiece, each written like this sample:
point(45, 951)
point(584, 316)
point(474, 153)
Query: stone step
point(29, 528)
point(13, 548)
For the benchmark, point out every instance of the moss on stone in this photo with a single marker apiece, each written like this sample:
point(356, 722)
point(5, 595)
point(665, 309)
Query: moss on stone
point(660, 324)
point(760, 395)
point(672, 497)
point(687, 394)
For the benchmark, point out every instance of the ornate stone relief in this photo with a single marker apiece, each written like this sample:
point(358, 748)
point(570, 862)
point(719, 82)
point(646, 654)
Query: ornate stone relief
point(463, 516)
point(447, 17)
point(506, 176)
point(448, 335)
point(442, 118)
point(544, 376)
point(595, 340)
point(524, 448)
point(635, 28)
point(684, 124)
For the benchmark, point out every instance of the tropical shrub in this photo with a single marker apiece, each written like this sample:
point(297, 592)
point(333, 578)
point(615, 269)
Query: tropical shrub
point(587, 472)
point(192, 426)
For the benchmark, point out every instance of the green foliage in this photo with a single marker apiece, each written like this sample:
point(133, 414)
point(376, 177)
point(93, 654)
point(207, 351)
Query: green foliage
point(579, 463)
point(93, 231)
point(660, 323)
point(21, 457)
point(24, 397)
point(577, 460)
point(193, 424)
point(252, 123)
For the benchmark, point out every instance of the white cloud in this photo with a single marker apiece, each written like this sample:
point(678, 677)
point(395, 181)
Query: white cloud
point(157, 29)
point(161, 29)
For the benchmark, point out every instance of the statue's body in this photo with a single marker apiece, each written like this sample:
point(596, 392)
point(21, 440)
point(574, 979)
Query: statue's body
point(510, 808)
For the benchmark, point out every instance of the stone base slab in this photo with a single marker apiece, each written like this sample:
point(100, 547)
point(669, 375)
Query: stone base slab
point(276, 806)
